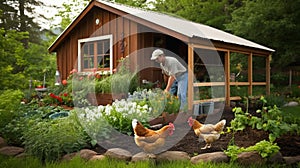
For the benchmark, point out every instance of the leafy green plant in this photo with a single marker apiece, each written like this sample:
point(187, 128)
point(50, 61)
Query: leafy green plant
point(121, 81)
point(26, 116)
point(274, 99)
point(10, 100)
point(103, 85)
point(172, 104)
point(120, 114)
point(50, 139)
point(271, 119)
point(264, 148)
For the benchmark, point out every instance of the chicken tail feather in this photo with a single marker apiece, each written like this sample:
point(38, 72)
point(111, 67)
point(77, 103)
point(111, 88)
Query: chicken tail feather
point(220, 125)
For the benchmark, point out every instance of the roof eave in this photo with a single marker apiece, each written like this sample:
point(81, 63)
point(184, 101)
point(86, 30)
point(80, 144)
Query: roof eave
point(70, 27)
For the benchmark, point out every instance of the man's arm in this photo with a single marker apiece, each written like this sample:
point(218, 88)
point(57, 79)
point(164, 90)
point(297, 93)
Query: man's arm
point(171, 80)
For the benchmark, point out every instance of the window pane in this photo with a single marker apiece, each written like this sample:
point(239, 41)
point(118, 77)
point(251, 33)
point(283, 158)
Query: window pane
point(99, 48)
point(85, 49)
point(106, 46)
point(96, 56)
point(88, 62)
point(91, 48)
point(106, 61)
point(100, 61)
point(85, 63)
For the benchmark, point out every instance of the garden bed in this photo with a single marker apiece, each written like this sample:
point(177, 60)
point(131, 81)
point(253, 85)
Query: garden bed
point(289, 144)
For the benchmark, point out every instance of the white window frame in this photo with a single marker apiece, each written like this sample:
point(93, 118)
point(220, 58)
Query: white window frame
point(98, 38)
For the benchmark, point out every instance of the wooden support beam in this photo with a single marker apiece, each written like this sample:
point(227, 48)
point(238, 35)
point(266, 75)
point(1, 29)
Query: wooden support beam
point(190, 76)
point(227, 78)
point(250, 73)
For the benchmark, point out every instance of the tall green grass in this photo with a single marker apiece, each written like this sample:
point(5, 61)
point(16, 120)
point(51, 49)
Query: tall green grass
point(291, 114)
point(31, 162)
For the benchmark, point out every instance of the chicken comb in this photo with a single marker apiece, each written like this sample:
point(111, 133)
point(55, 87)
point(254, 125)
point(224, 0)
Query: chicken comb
point(171, 125)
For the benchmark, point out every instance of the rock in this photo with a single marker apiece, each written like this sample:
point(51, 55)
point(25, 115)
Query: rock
point(291, 104)
point(215, 157)
point(292, 160)
point(276, 158)
point(11, 150)
point(142, 156)
point(250, 158)
point(118, 153)
point(22, 155)
point(97, 157)
point(172, 156)
point(2, 142)
point(87, 154)
point(69, 156)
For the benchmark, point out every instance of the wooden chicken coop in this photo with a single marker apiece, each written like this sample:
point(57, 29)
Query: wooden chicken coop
point(104, 32)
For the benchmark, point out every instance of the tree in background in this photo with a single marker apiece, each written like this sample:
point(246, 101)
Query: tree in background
point(70, 11)
point(19, 15)
point(137, 3)
point(24, 53)
point(273, 23)
point(214, 13)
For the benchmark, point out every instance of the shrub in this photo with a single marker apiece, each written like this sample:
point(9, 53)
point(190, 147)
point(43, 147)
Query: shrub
point(295, 91)
point(157, 100)
point(273, 100)
point(49, 140)
point(10, 100)
point(98, 121)
point(264, 148)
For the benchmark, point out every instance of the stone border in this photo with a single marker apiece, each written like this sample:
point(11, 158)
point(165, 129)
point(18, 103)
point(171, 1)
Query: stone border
point(245, 158)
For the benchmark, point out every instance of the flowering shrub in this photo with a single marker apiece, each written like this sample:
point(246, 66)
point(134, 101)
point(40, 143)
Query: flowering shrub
point(158, 100)
point(57, 98)
point(99, 120)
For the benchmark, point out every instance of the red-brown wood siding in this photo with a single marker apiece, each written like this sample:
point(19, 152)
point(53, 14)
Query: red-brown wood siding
point(67, 52)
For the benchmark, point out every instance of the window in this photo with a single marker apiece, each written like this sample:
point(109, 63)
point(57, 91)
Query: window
point(95, 52)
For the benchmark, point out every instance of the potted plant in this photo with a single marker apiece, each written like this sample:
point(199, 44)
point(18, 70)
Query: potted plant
point(115, 86)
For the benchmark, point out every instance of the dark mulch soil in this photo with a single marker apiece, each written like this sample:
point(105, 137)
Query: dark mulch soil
point(289, 144)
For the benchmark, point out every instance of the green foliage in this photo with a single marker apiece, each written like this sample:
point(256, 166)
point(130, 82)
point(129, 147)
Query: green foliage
point(209, 12)
point(269, 18)
point(70, 11)
point(49, 140)
point(295, 91)
point(158, 100)
point(25, 116)
point(11, 56)
point(122, 81)
point(274, 99)
point(103, 85)
point(270, 119)
point(292, 114)
point(10, 100)
point(264, 148)
point(21, 64)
